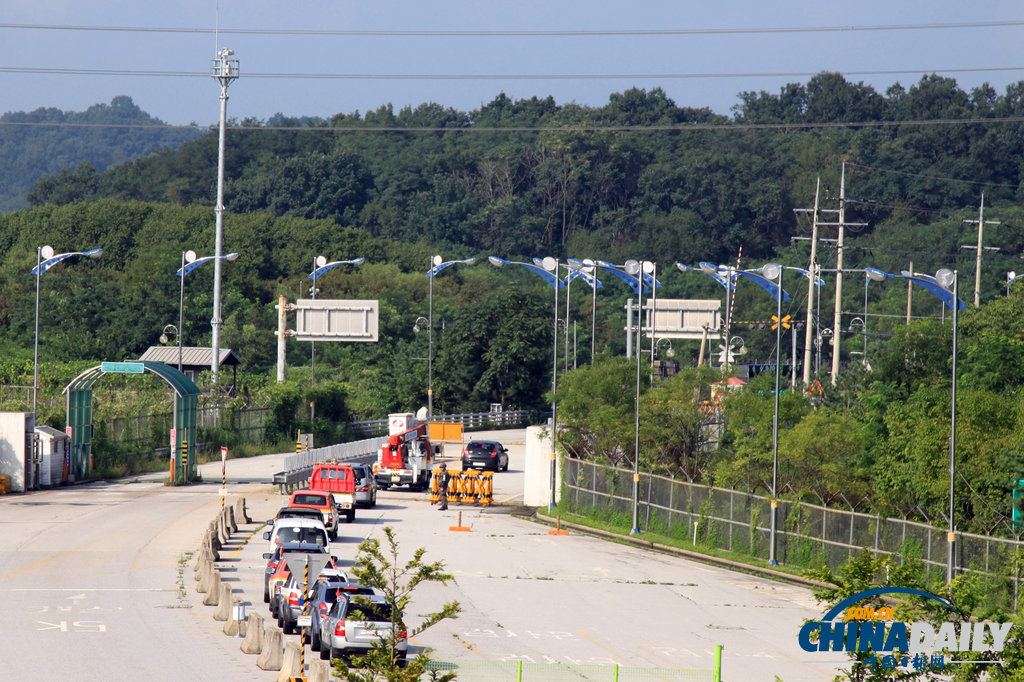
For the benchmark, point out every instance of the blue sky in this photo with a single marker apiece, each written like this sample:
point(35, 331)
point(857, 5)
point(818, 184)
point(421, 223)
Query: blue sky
point(193, 98)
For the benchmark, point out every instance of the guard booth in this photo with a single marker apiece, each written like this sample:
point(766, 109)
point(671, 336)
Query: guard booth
point(183, 435)
point(52, 448)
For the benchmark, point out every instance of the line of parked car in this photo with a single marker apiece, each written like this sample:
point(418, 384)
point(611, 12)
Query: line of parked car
point(335, 622)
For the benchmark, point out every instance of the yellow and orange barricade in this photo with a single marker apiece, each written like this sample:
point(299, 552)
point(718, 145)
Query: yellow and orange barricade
point(465, 487)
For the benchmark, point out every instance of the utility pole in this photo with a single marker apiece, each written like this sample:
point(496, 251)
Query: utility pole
point(808, 329)
point(837, 317)
point(224, 71)
point(977, 256)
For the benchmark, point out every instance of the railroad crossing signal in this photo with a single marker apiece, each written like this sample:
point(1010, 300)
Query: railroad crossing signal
point(786, 322)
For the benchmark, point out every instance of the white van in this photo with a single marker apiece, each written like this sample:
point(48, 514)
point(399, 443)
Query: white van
point(296, 529)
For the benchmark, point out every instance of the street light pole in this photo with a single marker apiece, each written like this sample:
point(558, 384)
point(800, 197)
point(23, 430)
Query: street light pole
point(189, 262)
point(225, 71)
point(35, 352)
point(181, 307)
point(946, 277)
point(638, 270)
point(548, 269)
point(317, 262)
point(551, 265)
point(434, 262)
point(773, 271)
point(44, 261)
point(437, 264)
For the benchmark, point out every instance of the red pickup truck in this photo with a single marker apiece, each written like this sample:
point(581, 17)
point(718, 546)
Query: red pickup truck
point(339, 480)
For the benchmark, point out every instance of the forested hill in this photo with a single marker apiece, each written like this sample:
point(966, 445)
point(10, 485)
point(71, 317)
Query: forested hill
point(637, 177)
point(46, 141)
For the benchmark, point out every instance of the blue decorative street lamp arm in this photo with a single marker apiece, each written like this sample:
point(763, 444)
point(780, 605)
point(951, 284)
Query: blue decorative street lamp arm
point(627, 278)
point(714, 275)
point(945, 295)
point(548, 277)
point(50, 262)
point(181, 272)
point(927, 282)
point(438, 268)
point(319, 272)
point(587, 277)
point(766, 284)
point(806, 273)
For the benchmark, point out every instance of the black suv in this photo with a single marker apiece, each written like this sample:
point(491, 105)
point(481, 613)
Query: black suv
point(486, 455)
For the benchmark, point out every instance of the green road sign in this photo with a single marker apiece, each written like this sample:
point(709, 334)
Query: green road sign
point(123, 367)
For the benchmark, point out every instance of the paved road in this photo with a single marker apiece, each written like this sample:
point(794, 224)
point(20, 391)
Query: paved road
point(92, 574)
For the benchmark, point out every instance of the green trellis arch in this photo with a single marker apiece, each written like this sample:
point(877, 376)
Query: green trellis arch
point(79, 392)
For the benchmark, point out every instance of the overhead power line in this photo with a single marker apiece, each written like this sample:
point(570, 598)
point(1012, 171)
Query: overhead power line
point(682, 127)
point(929, 177)
point(501, 76)
point(1009, 23)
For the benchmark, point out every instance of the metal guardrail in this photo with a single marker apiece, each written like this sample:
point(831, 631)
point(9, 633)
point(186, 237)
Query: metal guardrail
point(299, 466)
point(469, 420)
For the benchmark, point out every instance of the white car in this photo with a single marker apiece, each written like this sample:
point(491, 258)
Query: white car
point(353, 628)
point(297, 530)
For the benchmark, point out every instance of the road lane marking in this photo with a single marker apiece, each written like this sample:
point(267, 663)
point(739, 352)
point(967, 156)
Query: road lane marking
point(608, 649)
point(60, 554)
point(657, 655)
point(114, 535)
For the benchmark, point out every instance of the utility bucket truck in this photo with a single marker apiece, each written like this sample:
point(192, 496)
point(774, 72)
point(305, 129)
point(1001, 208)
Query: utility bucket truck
point(406, 457)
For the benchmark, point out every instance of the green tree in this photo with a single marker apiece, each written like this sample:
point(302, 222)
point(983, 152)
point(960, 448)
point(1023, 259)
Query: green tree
point(820, 455)
point(380, 568)
point(596, 407)
point(745, 455)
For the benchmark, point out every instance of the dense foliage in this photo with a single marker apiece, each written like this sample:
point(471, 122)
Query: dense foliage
point(72, 146)
point(637, 178)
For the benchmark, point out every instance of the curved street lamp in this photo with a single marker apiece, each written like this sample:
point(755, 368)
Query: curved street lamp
point(945, 286)
point(169, 332)
point(948, 280)
point(189, 262)
point(638, 270)
point(45, 259)
point(437, 264)
point(587, 269)
point(548, 271)
point(320, 266)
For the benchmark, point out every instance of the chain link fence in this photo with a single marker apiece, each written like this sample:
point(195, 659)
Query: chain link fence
point(806, 535)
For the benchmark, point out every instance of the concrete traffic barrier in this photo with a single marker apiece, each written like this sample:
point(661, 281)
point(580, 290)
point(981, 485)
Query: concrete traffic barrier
point(214, 548)
point(253, 642)
point(271, 655)
point(224, 602)
point(242, 514)
point(290, 666)
point(205, 579)
point(213, 593)
point(232, 526)
point(235, 628)
point(200, 562)
point(215, 544)
point(222, 527)
point(319, 671)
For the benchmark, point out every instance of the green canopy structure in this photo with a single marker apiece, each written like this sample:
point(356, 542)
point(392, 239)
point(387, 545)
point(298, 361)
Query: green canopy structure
point(80, 428)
